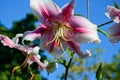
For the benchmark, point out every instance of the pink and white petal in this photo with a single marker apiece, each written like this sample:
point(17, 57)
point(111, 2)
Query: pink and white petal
point(113, 13)
point(83, 30)
point(114, 33)
point(67, 10)
point(46, 37)
point(6, 41)
point(44, 9)
point(10, 43)
point(73, 46)
point(52, 47)
point(37, 60)
point(57, 50)
point(34, 51)
point(16, 38)
point(32, 35)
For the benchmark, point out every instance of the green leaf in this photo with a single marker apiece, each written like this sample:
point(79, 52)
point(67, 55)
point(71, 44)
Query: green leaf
point(116, 5)
point(69, 52)
point(103, 32)
point(99, 72)
point(63, 62)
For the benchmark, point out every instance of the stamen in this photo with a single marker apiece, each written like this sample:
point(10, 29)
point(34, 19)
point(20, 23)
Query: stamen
point(62, 47)
point(59, 33)
point(14, 69)
point(24, 64)
point(32, 76)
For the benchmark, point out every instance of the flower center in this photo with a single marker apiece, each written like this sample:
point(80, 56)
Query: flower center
point(58, 30)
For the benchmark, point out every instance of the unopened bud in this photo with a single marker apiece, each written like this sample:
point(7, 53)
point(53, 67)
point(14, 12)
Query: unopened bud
point(51, 67)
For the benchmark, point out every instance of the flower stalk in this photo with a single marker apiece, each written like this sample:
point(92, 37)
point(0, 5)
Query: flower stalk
point(68, 66)
point(105, 23)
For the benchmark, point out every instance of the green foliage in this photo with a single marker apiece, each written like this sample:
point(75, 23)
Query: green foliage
point(99, 72)
point(25, 24)
point(9, 58)
point(111, 70)
point(116, 5)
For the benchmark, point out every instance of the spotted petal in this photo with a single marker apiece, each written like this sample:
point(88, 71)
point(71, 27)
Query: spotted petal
point(73, 46)
point(83, 30)
point(67, 10)
point(44, 9)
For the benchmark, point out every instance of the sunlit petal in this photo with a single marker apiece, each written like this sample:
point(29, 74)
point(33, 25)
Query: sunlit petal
point(32, 35)
point(73, 46)
point(6, 41)
point(44, 9)
point(113, 13)
point(83, 30)
point(67, 10)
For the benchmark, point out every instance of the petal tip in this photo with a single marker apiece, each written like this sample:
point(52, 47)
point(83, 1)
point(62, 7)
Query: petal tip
point(97, 41)
point(88, 53)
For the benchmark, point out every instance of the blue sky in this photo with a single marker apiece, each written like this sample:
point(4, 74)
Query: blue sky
point(11, 10)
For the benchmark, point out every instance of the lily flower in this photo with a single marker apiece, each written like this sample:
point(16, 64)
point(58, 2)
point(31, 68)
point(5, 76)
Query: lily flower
point(30, 52)
point(114, 31)
point(60, 29)
point(113, 13)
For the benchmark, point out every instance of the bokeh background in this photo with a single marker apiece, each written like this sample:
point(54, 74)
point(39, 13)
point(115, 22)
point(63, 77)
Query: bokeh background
point(17, 17)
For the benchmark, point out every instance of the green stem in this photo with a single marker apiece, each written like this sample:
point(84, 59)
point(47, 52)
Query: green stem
point(67, 67)
point(105, 23)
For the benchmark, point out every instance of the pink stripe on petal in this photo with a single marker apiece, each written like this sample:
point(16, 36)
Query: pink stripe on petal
point(31, 35)
point(81, 30)
point(45, 9)
point(6, 41)
point(44, 12)
point(67, 10)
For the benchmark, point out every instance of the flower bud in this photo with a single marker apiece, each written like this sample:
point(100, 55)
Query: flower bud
point(51, 67)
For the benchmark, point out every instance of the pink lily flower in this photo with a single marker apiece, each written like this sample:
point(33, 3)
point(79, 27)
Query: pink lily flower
point(60, 29)
point(114, 31)
point(31, 53)
point(113, 13)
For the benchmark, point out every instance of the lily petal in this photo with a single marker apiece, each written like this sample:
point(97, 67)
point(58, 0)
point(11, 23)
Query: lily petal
point(33, 51)
point(32, 35)
point(83, 30)
point(45, 9)
point(114, 33)
point(67, 10)
point(76, 48)
point(47, 45)
point(6, 41)
point(113, 13)
point(16, 38)
point(40, 64)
